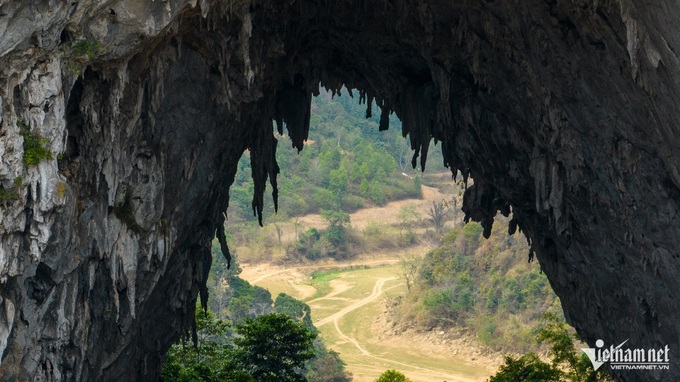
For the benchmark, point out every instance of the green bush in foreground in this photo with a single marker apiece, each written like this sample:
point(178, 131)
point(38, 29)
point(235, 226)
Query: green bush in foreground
point(392, 376)
point(270, 348)
point(567, 364)
point(273, 347)
point(527, 368)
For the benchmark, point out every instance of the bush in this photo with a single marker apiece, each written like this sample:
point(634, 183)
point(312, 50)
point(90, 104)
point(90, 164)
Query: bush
point(392, 376)
point(528, 368)
point(351, 203)
point(271, 346)
point(8, 194)
point(376, 193)
point(327, 367)
point(567, 365)
point(323, 199)
point(35, 146)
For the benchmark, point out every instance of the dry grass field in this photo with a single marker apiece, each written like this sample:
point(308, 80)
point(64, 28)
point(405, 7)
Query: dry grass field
point(348, 308)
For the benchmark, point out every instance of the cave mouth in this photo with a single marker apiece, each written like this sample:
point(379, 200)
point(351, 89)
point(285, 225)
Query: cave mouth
point(561, 111)
point(338, 121)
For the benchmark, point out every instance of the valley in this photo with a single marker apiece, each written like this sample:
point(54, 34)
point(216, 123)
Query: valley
point(351, 320)
point(348, 302)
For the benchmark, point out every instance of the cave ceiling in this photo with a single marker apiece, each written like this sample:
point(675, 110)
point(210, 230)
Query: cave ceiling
point(563, 112)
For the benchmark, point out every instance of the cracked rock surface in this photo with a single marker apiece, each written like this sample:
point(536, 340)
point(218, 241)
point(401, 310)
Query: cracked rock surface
point(563, 112)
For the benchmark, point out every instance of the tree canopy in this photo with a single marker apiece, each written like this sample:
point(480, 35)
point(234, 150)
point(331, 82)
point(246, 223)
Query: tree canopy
point(392, 376)
point(273, 347)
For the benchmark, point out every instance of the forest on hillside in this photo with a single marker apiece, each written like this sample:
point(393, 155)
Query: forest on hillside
point(486, 286)
point(347, 164)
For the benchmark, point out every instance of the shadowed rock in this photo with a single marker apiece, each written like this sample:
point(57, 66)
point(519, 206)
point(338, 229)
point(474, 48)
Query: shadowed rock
point(563, 112)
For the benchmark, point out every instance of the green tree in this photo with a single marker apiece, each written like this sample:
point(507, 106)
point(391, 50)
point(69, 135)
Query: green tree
point(272, 348)
point(576, 365)
point(335, 218)
point(324, 199)
point(528, 368)
point(210, 359)
point(392, 376)
point(567, 365)
point(246, 300)
point(294, 309)
point(338, 182)
point(364, 188)
point(330, 157)
point(327, 367)
point(376, 192)
point(335, 233)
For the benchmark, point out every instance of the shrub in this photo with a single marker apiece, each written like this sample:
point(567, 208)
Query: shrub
point(35, 146)
point(8, 194)
point(527, 368)
point(392, 376)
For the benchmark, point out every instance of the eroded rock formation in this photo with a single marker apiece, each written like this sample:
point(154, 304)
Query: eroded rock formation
point(563, 112)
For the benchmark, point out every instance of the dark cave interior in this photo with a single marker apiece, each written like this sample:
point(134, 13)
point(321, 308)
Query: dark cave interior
point(548, 105)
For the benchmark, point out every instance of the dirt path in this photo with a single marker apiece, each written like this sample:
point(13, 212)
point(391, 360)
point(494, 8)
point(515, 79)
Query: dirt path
point(377, 291)
point(375, 294)
point(254, 274)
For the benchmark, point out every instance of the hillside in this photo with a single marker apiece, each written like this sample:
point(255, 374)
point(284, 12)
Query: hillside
point(484, 286)
point(348, 166)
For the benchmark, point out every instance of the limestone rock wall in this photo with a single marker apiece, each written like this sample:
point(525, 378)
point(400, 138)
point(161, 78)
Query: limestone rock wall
point(563, 112)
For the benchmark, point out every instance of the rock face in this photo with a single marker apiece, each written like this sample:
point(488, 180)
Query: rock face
point(563, 112)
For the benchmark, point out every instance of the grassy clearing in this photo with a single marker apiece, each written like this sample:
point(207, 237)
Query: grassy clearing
point(321, 279)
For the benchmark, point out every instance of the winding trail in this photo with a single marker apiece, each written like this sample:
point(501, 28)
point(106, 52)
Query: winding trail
point(376, 293)
point(420, 373)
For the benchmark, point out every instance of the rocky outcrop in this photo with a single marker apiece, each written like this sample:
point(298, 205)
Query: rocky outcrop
point(563, 112)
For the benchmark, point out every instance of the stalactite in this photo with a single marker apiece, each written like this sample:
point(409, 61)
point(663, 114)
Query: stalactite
point(263, 165)
point(221, 237)
point(292, 107)
point(512, 226)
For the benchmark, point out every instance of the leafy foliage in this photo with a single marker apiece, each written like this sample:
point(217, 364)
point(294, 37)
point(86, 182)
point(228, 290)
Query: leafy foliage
point(483, 285)
point(392, 376)
point(295, 309)
point(272, 348)
point(567, 365)
point(246, 300)
point(210, 359)
point(236, 298)
point(527, 368)
point(334, 241)
point(89, 47)
point(11, 193)
point(327, 367)
point(35, 146)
